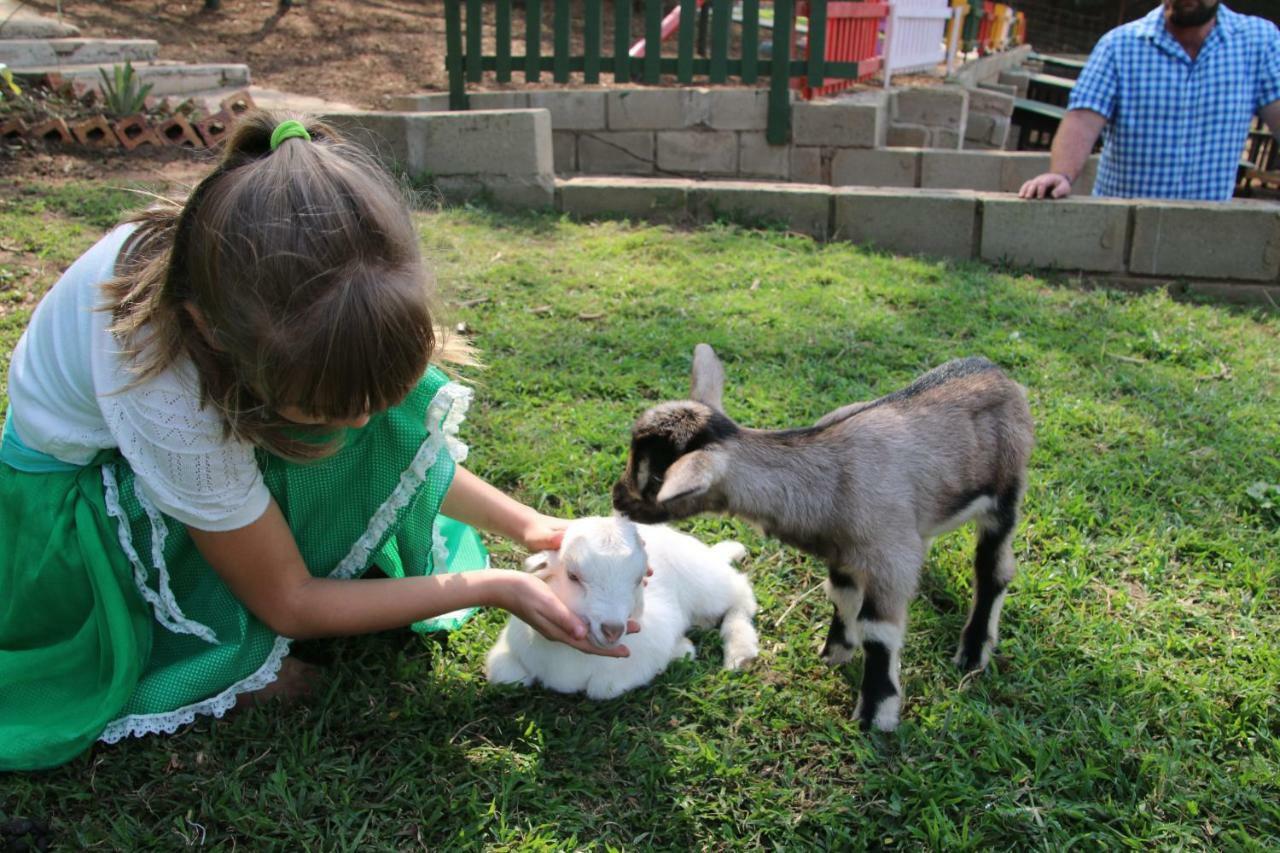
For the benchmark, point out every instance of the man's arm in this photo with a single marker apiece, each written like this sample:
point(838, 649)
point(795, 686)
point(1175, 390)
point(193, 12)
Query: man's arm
point(1072, 145)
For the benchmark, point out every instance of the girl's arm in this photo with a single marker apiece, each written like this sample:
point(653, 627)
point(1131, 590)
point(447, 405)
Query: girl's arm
point(475, 502)
point(261, 565)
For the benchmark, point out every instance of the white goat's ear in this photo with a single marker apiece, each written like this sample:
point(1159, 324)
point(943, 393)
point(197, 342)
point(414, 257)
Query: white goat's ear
point(540, 564)
point(689, 476)
point(708, 377)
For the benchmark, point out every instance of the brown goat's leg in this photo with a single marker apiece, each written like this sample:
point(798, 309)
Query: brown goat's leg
point(993, 569)
point(845, 592)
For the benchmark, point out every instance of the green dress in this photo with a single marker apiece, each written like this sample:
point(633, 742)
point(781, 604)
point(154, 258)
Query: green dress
point(112, 625)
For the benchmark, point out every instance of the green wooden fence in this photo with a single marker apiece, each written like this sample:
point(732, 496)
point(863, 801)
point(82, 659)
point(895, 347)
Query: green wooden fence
point(466, 62)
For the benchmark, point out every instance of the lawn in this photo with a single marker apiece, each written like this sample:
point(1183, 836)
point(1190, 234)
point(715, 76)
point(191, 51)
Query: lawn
point(1133, 701)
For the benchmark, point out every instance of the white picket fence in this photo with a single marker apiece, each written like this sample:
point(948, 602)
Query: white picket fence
point(915, 36)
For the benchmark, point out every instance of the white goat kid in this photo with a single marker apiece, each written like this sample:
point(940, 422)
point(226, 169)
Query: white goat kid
point(599, 572)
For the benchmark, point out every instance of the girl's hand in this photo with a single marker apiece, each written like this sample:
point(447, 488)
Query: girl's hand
point(533, 601)
point(543, 533)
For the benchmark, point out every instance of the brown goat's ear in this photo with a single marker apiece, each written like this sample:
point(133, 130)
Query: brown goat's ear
point(689, 476)
point(708, 377)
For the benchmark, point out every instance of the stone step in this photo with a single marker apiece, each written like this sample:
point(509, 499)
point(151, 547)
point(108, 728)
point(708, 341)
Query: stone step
point(168, 78)
point(27, 53)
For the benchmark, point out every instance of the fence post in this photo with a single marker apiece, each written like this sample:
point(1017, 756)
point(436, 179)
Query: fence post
point(453, 54)
point(817, 74)
point(887, 57)
point(779, 130)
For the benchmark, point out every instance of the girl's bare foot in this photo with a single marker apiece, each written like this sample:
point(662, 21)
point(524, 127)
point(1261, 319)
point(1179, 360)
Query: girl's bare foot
point(296, 680)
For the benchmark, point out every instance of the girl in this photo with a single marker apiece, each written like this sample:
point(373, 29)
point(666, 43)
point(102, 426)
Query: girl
point(220, 415)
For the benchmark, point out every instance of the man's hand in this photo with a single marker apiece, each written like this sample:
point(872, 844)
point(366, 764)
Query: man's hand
point(1048, 185)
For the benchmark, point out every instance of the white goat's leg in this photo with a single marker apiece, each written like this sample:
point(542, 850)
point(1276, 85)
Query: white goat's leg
point(845, 592)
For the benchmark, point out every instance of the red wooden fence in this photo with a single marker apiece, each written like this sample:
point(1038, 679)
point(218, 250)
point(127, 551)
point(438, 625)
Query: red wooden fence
point(853, 35)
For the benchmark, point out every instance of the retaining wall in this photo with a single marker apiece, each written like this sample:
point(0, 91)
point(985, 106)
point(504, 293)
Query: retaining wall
point(1228, 251)
point(955, 204)
point(720, 133)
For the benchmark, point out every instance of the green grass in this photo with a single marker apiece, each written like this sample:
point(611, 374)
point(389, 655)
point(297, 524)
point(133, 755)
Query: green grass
point(1133, 699)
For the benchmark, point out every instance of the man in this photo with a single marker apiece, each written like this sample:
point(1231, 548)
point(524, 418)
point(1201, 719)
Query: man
point(1175, 92)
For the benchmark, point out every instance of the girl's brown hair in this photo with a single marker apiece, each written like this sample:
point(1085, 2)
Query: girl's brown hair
point(290, 278)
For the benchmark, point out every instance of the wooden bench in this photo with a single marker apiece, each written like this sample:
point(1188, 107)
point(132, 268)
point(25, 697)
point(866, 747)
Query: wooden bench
point(1058, 65)
point(1260, 164)
point(1037, 123)
point(1050, 89)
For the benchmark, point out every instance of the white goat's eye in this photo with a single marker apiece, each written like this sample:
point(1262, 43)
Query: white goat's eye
point(574, 577)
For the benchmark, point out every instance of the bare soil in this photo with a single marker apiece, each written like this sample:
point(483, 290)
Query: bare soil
point(355, 51)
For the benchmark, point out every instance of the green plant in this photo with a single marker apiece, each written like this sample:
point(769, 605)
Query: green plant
point(125, 94)
point(6, 81)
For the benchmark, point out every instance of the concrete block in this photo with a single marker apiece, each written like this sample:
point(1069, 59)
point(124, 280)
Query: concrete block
point(12, 130)
point(758, 159)
point(609, 153)
point(1011, 91)
point(1018, 167)
point(564, 151)
point(53, 131)
point(653, 199)
point(520, 193)
point(1072, 234)
point(1000, 133)
point(981, 128)
point(501, 101)
point(18, 53)
point(946, 140)
point(908, 221)
point(1236, 241)
point(738, 109)
point(876, 167)
point(964, 170)
point(806, 166)
point(500, 143)
point(805, 209)
point(572, 109)
point(179, 132)
point(134, 131)
point(907, 136)
point(96, 133)
point(1019, 80)
point(859, 121)
point(932, 106)
point(990, 102)
point(698, 152)
point(213, 129)
point(237, 103)
point(989, 67)
point(424, 103)
point(657, 109)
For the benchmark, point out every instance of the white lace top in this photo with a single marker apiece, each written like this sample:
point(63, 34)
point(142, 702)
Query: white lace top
point(65, 384)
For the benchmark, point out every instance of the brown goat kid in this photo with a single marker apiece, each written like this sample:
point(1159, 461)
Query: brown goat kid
point(865, 489)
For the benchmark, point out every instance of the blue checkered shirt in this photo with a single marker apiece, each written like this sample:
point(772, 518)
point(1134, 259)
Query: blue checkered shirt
point(1175, 127)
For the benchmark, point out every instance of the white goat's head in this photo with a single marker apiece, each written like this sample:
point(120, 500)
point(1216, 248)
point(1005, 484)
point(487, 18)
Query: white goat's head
point(599, 574)
point(673, 468)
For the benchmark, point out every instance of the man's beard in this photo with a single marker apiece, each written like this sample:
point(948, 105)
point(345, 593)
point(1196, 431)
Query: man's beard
point(1197, 17)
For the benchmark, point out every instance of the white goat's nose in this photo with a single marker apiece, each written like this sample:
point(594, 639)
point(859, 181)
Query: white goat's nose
point(612, 631)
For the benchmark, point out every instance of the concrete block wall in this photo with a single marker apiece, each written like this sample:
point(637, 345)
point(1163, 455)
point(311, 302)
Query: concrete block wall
point(688, 132)
point(1225, 251)
point(505, 155)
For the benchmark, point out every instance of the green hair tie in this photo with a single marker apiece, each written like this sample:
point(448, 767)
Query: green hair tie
point(288, 130)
